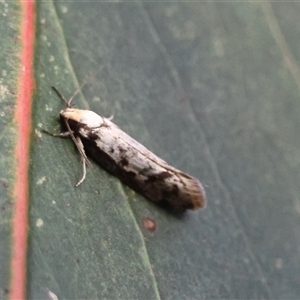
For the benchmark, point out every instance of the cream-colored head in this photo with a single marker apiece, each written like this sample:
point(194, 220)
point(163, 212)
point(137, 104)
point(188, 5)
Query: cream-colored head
point(80, 116)
point(86, 117)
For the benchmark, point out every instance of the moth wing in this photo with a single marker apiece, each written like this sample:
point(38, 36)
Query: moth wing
point(145, 172)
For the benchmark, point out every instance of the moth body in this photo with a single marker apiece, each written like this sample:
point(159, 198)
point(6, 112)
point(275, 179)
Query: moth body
point(131, 162)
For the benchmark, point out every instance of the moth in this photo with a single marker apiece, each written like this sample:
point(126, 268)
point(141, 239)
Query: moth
point(128, 160)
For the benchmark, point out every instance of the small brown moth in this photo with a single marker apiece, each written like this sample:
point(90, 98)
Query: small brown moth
point(128, 160)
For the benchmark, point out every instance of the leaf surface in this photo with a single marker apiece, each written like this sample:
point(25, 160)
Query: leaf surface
point(213, 89)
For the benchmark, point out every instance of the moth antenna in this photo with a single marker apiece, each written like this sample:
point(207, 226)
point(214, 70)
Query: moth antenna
point(68, 102)
point(83, 84)
point(61, 96)
point(75, 93)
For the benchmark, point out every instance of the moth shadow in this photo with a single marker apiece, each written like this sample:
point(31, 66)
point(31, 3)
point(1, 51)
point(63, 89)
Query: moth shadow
point(170, 210)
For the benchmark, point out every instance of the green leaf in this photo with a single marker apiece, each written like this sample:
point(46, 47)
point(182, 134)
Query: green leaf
point(213, 89)
point(9, 71)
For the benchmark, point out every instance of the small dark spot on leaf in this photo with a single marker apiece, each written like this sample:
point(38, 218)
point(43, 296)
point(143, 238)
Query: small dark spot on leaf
point(4, 183)
point(6, 205)
point(149, 224)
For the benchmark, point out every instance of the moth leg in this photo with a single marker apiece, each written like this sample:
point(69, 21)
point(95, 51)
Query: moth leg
point(104, 124)
point(84, 159)
point(110, 117)
point(61, 134)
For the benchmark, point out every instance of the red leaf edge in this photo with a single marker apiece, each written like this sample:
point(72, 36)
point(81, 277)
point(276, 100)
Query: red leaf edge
point(23, 123)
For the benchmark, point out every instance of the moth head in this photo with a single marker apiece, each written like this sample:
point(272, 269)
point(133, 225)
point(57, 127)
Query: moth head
point(78, 116)
point(81, 117)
